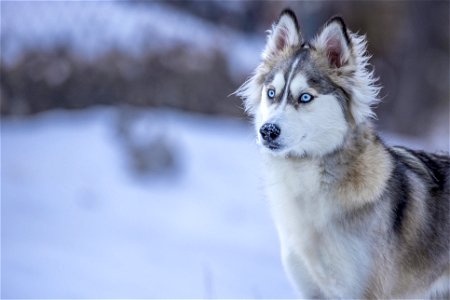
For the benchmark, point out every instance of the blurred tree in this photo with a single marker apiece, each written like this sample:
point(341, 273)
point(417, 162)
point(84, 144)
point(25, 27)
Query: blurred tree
point(409, 41)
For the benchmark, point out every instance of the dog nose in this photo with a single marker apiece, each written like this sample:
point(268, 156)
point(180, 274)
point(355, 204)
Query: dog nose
point(269, 132)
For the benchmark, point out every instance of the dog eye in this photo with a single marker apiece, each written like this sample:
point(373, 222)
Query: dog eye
point(305, 97)
point(271, 93)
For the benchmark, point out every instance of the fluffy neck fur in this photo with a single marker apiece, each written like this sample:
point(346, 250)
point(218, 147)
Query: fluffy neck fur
point(356, 173)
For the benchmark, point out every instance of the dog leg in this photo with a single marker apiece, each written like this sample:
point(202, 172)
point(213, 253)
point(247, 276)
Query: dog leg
point(299, 276)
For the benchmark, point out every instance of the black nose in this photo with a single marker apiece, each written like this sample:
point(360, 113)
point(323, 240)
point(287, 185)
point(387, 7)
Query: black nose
point(269, 132)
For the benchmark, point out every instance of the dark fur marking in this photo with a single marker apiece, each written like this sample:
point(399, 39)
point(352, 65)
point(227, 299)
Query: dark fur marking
point(432, 242)
point(400, 187)
point(437, 165)
point(269, 78)
point(285, 67)
point(324, 85)
point(338, 19)
point(291, 14)
point(306, 45)
point(315, 79)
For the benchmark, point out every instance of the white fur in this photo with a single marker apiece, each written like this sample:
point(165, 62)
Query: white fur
point(362, 84)
point(316, 257)
point(284, 29)
point(322, 259)
point(278, 83)
point(333, 37)
point(298, 85)
point(291, 73)
point(354, 57)
point(315, 253)
point(364, 88)
point(438, 288)
point(315, 128)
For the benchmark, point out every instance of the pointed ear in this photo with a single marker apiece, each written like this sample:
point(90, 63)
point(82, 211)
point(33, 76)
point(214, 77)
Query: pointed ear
point(284, 34)
point(334, 42)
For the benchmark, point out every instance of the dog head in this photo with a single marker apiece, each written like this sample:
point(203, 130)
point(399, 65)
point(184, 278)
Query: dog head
point(306, 96)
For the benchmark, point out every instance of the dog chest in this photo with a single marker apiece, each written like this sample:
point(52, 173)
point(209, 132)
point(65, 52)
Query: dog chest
point(296, 196)
point(303, 212)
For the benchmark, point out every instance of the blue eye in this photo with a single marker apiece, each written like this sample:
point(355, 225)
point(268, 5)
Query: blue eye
point(305, 97)
point(271, 93)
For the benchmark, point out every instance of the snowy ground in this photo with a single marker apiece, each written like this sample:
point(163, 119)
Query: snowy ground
point(76, 223)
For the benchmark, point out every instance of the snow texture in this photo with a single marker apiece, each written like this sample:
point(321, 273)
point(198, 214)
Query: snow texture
point(91, 28)
point(77, 224)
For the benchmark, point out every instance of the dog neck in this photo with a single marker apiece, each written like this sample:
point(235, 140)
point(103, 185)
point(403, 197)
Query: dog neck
point(356, 172)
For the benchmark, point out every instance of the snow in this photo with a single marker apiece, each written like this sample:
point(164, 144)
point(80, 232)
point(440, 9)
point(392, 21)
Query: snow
point(91, 28)
point(76, 223)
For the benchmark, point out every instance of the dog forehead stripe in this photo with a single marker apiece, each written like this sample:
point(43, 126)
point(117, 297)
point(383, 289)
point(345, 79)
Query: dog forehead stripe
point(291, 73)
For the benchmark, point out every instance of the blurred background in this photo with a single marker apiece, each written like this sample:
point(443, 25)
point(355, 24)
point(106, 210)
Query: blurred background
point(127, 168)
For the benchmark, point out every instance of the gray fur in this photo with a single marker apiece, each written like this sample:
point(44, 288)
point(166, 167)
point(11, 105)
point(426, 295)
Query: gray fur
point(316, 79)
point(361, 219)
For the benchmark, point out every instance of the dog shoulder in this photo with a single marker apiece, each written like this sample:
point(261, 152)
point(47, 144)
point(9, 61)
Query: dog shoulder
point(419, 183)
point(419, 197)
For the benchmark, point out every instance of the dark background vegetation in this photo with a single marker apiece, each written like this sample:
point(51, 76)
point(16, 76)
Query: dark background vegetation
point(409, 41)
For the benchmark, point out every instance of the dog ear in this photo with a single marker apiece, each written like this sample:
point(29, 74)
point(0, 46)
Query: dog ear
point(347, 52)
point(284, 34)
point(335, 42)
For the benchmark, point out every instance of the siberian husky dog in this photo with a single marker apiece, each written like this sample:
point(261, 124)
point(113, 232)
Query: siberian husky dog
point(356, 218)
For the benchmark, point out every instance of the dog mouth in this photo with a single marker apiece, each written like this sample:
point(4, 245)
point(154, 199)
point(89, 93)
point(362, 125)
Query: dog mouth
point(272, 146)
